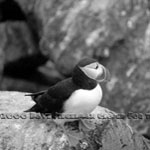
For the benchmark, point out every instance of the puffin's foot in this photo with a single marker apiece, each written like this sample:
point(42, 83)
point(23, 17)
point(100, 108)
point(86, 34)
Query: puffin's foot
point(73, 136)
point(85, 125)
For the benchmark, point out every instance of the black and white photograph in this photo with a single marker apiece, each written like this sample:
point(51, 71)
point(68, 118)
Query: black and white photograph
point(74, 74)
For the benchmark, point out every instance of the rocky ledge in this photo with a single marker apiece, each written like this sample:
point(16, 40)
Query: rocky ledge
point(23, 131)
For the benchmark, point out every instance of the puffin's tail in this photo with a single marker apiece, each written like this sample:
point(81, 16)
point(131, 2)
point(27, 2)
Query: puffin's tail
point(35, 108)
point(36, 94)
point(35, 97)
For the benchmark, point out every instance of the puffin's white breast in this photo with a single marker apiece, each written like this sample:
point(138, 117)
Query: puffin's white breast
point(83, 101)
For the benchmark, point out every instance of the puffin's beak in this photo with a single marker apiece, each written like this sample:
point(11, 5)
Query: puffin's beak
point(104, 76)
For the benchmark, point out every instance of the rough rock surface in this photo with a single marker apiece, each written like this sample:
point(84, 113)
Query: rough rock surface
point(69, 30)
point(17, 41)
point(128, 91)
point(18, 131)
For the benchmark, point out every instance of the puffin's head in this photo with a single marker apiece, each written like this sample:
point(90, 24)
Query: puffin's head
point(94, 70)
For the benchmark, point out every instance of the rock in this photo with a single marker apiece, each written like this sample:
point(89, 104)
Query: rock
point(21, 56)
point(129, 66)
point(18, 42)
point(18, 52)
point(70, 30)
point(19, 131)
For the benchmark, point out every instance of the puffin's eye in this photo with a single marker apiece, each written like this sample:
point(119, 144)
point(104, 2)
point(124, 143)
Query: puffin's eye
point(96, 66)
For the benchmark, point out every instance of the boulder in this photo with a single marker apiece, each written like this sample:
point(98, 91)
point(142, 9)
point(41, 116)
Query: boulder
point(17, 41)
point(70, 30)
point(128, 91)
point(21, 131)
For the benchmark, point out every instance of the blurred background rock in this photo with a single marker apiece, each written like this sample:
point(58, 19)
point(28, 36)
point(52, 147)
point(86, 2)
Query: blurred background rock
point(42, 40)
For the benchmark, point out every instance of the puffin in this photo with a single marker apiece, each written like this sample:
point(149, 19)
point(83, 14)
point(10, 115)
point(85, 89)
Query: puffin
point(78, 94)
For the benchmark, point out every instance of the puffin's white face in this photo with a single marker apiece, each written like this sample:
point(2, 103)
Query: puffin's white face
point(96, 71)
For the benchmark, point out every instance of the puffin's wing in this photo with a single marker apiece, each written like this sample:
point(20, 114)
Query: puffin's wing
point(52, 100)
point(62, 90)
